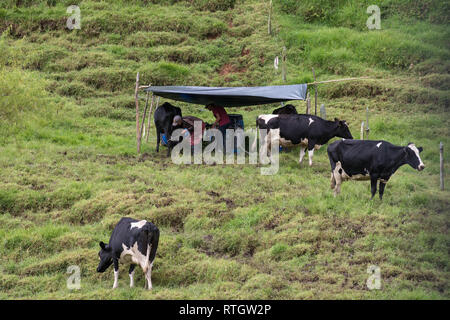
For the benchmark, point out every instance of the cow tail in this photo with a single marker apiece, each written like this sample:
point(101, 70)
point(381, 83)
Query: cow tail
point(154, 240)
point(148, 233)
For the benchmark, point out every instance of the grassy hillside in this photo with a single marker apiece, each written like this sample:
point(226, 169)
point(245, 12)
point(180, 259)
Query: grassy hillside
point(69, 170)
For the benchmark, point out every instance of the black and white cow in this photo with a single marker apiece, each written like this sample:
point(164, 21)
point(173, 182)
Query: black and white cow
point(369, 160)
point(308, 131)
point(132, 241)
point(287, 109)
point(163, 118)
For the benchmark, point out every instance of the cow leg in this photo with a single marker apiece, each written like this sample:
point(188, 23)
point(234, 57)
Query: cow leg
point(381, 190)
point(264, 149)
point(310, 156)
point(373, 186)
point(302, 153)
point(333, 181)
point(168, 137)
point(131, 274)
point(148, 277)
point(158, 138)
point(337, 180)
point(311, 145)
point(269, 146)
point(333, 166)
point(116, 273)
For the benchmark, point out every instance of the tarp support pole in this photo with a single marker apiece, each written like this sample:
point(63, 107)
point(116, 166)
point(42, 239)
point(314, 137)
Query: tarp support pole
point(150, 116)
point(315, 93)
point(143, 118)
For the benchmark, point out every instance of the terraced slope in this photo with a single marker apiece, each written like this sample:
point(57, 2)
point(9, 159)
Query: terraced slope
point(69, 169)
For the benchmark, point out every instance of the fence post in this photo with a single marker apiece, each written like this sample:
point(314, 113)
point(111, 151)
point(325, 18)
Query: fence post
point(269, 22)
point(138, 137)
point(367, 122)
point(315, 93)
point(362, 131)
point(283, 66)
point(441, 160)
point(323, 113)
point(308, 104)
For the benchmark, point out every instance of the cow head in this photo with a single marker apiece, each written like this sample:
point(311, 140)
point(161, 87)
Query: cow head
point(342, 129)
point(105, 255)
point(413, 157)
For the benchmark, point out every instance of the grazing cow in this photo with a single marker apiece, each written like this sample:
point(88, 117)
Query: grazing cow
point(307, 130)
point(287, 109)
point(163, 118)
point(369, 160)
point(132, 241)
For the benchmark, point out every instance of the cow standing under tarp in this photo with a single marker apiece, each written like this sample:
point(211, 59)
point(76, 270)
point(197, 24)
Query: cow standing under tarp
point(163, 118)
point(369, 160)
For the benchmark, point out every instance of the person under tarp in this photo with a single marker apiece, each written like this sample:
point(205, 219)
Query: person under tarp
point(187, 123)
point(222, 122)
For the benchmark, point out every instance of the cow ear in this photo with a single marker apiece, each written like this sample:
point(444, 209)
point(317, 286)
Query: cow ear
point(420, 149)
point(336, 120)
point(102, 245)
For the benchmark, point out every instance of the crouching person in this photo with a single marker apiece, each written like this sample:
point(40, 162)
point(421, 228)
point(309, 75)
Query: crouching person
point(187, 124)
point(132, 242)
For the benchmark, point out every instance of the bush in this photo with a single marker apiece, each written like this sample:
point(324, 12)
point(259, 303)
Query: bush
point(74, 89)
point(353, 13)
point(20, 92)
point(213, 5)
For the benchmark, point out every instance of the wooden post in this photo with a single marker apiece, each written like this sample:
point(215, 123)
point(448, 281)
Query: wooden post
point(308, 104)
point(150, 116)
point(269, 22)
point(315, 93)
point(138, 137)
point(362, 131)
point(143, 118)
point(323, 113)
point(283, 66)
point(367, 122)
point(441, 161)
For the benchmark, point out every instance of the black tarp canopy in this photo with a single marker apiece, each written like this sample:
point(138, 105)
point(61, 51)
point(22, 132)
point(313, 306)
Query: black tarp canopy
point(231, 96)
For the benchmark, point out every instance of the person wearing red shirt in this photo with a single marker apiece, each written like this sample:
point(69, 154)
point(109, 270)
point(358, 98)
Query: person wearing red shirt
point(222, 122)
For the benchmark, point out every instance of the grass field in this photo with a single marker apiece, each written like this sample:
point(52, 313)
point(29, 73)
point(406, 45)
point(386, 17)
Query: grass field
point(69, 169)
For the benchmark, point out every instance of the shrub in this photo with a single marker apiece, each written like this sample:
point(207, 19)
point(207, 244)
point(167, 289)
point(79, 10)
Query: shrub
point(213, 5)
point(20, 92)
